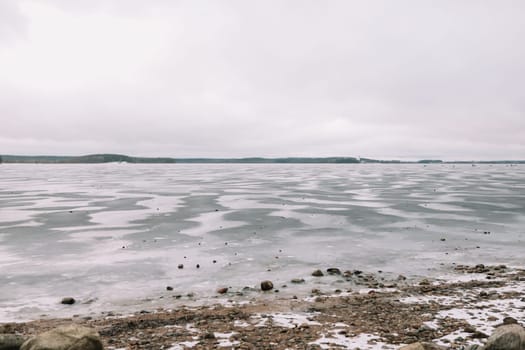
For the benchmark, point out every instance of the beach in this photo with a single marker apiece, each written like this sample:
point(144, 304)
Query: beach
point(456, 313)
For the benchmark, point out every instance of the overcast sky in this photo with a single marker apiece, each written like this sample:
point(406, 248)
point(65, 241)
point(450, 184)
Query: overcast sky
point(385, 79)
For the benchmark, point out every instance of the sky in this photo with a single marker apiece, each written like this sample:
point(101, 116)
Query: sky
point(238, 78)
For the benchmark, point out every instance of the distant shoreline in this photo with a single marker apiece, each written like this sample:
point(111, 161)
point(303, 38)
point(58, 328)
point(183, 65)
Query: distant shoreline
point(119, 158)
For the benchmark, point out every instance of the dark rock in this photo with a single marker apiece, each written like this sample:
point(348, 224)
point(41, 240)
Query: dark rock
point(478, 335)
point(222, 290)
point(317, 273)
point(469, 329)
point(11, 341)
point(72, 337)
point(169, 288)
point(68, 301)
point(298, 280)
point(208, 335)
point(180, 266)
point(266, 285)
point(510, 320)
point(333, 271)
point(507, 337)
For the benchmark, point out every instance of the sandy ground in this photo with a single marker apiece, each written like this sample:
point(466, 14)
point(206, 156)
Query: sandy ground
point(462, 309)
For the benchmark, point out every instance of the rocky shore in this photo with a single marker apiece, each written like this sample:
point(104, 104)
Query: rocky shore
point(475, 308)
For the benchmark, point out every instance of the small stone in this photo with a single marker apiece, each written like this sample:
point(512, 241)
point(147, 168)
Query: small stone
point(266, 285)
point(68, 301)
point(197, 266)
point(208, 335)
point(333, 271)
point(317, 273)
point(222, 290)
point(478, 335)
point(297, 280)
point(443, 239)
point(169, 288)
point(180, 266)
point(469, 329)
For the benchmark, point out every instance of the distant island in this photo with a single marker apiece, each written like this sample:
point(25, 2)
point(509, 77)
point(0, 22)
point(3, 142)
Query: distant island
point(119, 158)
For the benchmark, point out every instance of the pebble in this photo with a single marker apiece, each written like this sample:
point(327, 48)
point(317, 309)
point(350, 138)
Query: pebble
point(266, 285)
point(68, 301)
point(317, 273)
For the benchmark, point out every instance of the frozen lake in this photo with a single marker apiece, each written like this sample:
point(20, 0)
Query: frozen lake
point(112, 235)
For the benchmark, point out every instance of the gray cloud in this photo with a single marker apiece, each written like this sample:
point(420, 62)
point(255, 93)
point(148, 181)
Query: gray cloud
point(400, 79)
point(12, 23)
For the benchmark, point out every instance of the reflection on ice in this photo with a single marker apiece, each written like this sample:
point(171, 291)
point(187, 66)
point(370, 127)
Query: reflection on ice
point(117, 234)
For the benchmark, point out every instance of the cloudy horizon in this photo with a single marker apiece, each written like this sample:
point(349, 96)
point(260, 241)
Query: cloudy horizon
point(376, 79)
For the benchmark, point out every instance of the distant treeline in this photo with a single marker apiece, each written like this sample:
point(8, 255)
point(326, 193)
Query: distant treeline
point(93, 158)
point(119, 158)
point(252, 160)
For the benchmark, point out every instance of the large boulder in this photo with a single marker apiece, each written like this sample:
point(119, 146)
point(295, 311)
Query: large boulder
point(507, 337)
point(11, 341)
point(71, 337)
point(422, 346)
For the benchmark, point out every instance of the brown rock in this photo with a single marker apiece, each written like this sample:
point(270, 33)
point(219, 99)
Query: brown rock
point(317, 273)
point(222, 290)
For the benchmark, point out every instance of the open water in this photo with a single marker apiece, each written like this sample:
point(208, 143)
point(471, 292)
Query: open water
point(112, 235)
